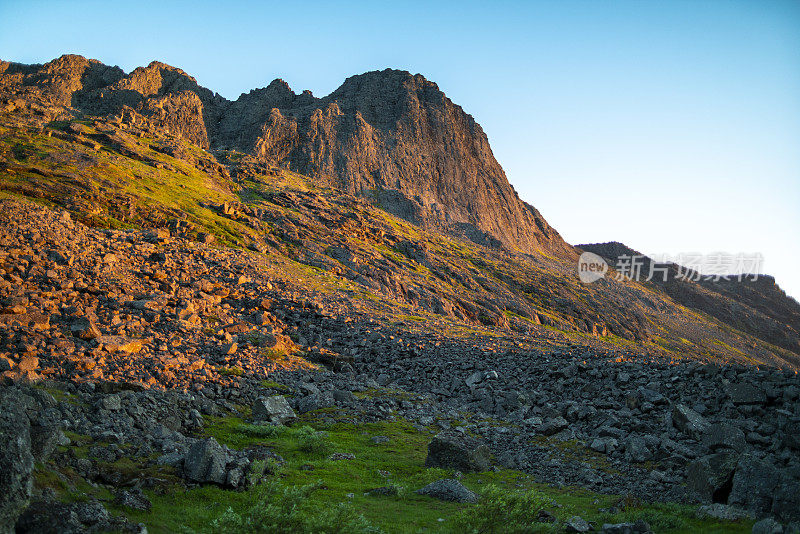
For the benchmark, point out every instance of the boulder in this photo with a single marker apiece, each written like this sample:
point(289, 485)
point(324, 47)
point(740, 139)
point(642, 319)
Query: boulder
point(722, 512)
point(791, 437)
point(44, 516)
point(577, 524)
point(275, 410)
point(453, 450)
point(688, 421)
point(636, 450)
point(753, 485)
point(786, 500)
point(16, 460)
point(205, 462)
point(724, 436)
point(639, 527)
point(744, 393)
point(85, 328)
point(709, 478)
point(552, 425)
point(316, 401)
point(134, 499)
point(448, 489)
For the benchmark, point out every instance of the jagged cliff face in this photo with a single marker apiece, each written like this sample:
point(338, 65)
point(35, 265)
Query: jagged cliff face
point(390, 136)
point(396, 138)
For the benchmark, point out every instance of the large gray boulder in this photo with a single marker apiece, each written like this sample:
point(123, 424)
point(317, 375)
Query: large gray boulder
point(315, 401)
point(744, 393)
point(454, 450)
point(205, 462)
point(688, 421)
point(710, 477)
point(448, 489)
point(754, 484)
point(786, 500)
point(16, 460)
point(273, 410)
point(724, 436)
point(791, 437)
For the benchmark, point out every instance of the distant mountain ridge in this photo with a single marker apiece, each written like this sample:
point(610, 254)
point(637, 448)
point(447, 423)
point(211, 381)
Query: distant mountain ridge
point(756, 306)
point(387, 135)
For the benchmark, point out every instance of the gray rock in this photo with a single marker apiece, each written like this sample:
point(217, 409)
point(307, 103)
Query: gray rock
point(743, 393)
point(767, 526)
point(448, 489)
point(453, 450)
point(317, 401)
point(786, 500)
point(709, 477)
point(44, 438)
point(639, 527)
point(722, 512)
point(791, 437)
point(16, 460)
point(173, 459)
point(577, 524)
point(605, 444)
point(134, 499)
point(722, 435)
point(552, 425)
point(273, 410)
point(688, 421)
point(753, 485)
point(110, 402)
point(342, 396)
point(636, 450)
point(205, 462)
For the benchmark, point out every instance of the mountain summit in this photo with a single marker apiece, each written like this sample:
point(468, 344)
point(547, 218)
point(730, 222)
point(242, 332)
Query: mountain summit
point(390, 136)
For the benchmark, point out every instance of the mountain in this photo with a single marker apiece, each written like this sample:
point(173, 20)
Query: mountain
point(390, 136)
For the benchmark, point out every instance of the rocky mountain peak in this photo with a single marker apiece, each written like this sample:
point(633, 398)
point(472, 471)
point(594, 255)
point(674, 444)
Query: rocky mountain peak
point(389, 135)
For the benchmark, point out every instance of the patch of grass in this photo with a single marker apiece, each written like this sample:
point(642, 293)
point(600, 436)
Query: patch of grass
point(399, 463)
point(230, 371)
point(314, 442)
point(274, 385)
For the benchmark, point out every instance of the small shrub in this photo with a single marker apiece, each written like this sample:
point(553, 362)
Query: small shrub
point(313, 442)
point(285, 510)
point(501, 510)
point(261, 431)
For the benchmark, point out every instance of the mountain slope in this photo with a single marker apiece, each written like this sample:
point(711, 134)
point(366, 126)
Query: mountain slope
point(144, 166)
point(756, 306)
point(390, 136)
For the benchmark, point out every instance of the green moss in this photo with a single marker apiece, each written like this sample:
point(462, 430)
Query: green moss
point(230, 370)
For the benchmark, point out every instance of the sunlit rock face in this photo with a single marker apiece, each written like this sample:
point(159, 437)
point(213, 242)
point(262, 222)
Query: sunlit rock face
point(396, 138)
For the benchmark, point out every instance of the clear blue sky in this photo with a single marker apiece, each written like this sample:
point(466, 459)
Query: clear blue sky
point(672, 126)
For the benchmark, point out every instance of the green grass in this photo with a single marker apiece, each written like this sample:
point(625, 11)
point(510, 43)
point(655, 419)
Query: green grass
point(399, 462)
point(230, 371)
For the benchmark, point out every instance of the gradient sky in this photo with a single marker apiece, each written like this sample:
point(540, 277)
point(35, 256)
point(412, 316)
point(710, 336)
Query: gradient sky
point(672, 126)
